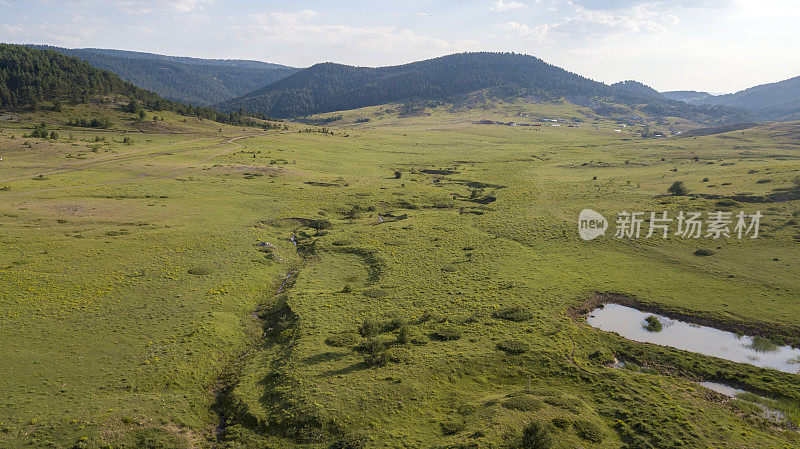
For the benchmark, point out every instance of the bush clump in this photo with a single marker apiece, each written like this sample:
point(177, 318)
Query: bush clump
point(653, 324)
point(588, 430)
point(761, 344)
point(369, 328)
point(602, 357)
point(523, 403)
point(446, 333)
point(703, 252)
point(343, 340)
point(536, 436)
point(199, 271)
point(398, 355)
point(452, 427)
point(561, 423)
point(375, 353)
point(514, 313)
point(512, 346)
point(678, 188)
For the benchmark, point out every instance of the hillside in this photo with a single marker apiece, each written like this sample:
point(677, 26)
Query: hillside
point(32, 79)
point(772, 101)
point(635, 87)
point(689, 96)
point(200, 82)
point(29, 77)
point(330, 87)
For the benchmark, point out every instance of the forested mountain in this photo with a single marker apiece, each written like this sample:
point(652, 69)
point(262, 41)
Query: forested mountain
point(635, 87)
point(31, 78)
point(689, 96)
point(772, 101)
point(195, 81)
point(330, 87)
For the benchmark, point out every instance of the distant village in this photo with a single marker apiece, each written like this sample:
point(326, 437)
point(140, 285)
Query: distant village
point(621, 122)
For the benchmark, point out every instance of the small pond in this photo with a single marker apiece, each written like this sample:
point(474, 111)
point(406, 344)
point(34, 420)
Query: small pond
point(630, 323)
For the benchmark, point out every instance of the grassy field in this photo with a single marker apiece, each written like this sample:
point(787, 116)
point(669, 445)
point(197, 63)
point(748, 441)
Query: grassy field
point(405, 281)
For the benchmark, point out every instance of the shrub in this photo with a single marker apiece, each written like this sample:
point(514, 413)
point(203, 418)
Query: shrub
point(602, 357)
point(452, 427)
point(653, 324)
point(761, 344)
point(561, 423)
point(523, 403)
point(398, 355)
point(377, 359)
point(703, 253)
point(588, 430)
point(375, 353)
point(512, 346)
point(394, 323)
point(372, 346)
point(374, 293)
point(343, 340)
point(403, 334)
point(536, 436)
point(514, 313)
point(678, 188)
point(446, 333)
point(369, 328)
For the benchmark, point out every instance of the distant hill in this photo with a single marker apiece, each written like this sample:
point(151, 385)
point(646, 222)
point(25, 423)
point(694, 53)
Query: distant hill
point(774, 101)
point(689, 96)
point(29, 77)
point(330, 87)
point(33, 78)
point(635, 87)
point(195, 81)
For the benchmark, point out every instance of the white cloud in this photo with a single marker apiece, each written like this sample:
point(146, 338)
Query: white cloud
point(67, 35)
point(298, 33)
point(501, 5)
point(537, 33)
point(148, 6)
point(582, 23)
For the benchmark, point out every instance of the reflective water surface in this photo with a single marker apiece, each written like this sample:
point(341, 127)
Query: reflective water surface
point(630, 323)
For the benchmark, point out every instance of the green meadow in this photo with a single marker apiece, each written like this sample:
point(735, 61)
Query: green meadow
point(381, 280)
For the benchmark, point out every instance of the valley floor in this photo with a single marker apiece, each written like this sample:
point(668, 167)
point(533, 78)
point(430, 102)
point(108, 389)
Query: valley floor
point(396, 282)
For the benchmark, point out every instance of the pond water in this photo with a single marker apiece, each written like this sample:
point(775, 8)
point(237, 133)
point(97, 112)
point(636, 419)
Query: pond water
point(767, 411)
point(630, 323)
point(723, 389)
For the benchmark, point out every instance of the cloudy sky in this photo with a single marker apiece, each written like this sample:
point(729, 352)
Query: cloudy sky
point(712, 45)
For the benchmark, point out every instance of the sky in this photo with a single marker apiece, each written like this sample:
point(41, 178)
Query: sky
point(709, 45)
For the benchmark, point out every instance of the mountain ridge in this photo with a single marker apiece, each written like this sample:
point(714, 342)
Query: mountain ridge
point(200, 82)
point(328, 87)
